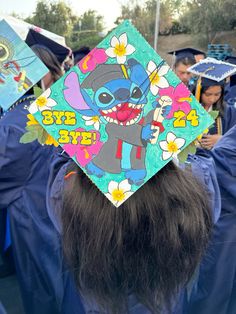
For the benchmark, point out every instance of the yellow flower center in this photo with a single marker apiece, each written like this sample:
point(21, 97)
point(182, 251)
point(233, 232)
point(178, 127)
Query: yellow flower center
point(41, 101)
point(172, 147)
point(118, 195)
point(120, 50)
point(154, 78)
point(95, 119)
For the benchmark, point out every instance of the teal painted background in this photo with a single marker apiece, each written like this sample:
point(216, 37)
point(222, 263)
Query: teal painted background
point(143, 54)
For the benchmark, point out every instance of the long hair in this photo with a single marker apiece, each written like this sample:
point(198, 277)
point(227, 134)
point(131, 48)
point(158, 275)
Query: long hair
point(148, 247)
point(49, 59)
point(220, 104)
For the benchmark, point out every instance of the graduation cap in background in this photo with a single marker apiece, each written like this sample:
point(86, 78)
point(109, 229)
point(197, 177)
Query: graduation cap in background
point(80, 53)
point(211, 72)
point(186, 53)
point(120, 125)
point(36, 38)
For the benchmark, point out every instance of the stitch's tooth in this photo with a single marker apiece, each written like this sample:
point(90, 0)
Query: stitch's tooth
point(121, 123)
point(128, 123)
point(105, 111)
point(114, 109)
point(108, 119)
point(130, 105)
point(116, 122)
point(119, 105)
point(109, 110)
point(132, 121)
point(139, 106)
point(111, 120)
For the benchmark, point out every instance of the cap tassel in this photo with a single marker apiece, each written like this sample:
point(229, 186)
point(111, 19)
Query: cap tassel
point(198, 89)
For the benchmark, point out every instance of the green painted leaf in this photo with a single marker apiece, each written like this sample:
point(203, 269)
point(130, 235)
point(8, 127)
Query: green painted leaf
point(37, 91)
point(28, 137)
point(42, 136)
point(214, 114)
point(190, 149)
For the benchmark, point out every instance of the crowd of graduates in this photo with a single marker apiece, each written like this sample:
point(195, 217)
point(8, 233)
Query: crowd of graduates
point(58, 232)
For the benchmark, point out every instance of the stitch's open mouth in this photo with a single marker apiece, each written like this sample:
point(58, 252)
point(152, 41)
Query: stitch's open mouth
point(123, 114)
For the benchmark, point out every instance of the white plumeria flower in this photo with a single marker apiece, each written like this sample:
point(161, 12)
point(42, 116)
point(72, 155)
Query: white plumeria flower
point(43, 102)
point(95, 121)
point(171, 147)
point(118, 192)
point(120, 48)
point(156, 77)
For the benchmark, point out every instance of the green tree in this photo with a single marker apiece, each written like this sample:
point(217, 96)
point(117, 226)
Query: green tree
point(206, 17)
point(143, 16)
point(87, 30)
point(56, 17)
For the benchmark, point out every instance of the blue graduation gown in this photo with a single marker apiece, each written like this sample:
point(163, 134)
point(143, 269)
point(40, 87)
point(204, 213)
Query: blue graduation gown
point(216, 287)
point(228, 121)
point(24, 172)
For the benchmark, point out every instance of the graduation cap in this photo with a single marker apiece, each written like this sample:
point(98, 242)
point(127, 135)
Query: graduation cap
point(36, 38)
point(80, 53)
point(186, 53)
point(211, 72)
point(119, 121)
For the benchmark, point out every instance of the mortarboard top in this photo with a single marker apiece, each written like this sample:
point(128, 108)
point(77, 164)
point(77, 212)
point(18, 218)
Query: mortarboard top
point(119, 110)
point(80, 53)
point(213, 72)
point(20, 67)
point(35, 38)
point(186, 53)
point(231, 59)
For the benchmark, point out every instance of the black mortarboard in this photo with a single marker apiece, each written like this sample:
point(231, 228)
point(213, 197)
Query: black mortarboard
point(35, 38)
point(186, 53)
point(80, 53)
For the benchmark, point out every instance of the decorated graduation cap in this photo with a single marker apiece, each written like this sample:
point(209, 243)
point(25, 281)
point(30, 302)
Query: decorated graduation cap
point(121, 113)
point(186, 53)
point(20, 68)
point(211, 72)
point(36, 38)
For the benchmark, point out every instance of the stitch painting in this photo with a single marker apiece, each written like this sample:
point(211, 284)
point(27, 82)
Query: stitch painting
point(121, 113)
point(20, 68)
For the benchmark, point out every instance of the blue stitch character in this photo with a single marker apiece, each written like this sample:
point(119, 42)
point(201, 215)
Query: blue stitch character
point(118, 99)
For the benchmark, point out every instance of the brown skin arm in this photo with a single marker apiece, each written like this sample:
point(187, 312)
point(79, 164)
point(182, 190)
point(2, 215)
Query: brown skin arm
point(208, 141)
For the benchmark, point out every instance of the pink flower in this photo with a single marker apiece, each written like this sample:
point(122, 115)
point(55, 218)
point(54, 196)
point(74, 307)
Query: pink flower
point(89, 62)
point(180, 97)
point(84, 153)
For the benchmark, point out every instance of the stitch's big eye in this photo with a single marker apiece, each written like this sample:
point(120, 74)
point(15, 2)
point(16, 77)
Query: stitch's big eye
point(105, 98)
point(136, 93)
point(4, 53)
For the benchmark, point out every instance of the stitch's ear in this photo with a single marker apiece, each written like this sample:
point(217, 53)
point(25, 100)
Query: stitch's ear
point(72, 92)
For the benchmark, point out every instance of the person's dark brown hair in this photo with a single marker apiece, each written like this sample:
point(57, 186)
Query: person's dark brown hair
point(185, 61)
point(148, 247)
point(49, 59)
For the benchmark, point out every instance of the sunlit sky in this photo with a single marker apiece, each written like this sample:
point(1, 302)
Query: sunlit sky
point(110, 9)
